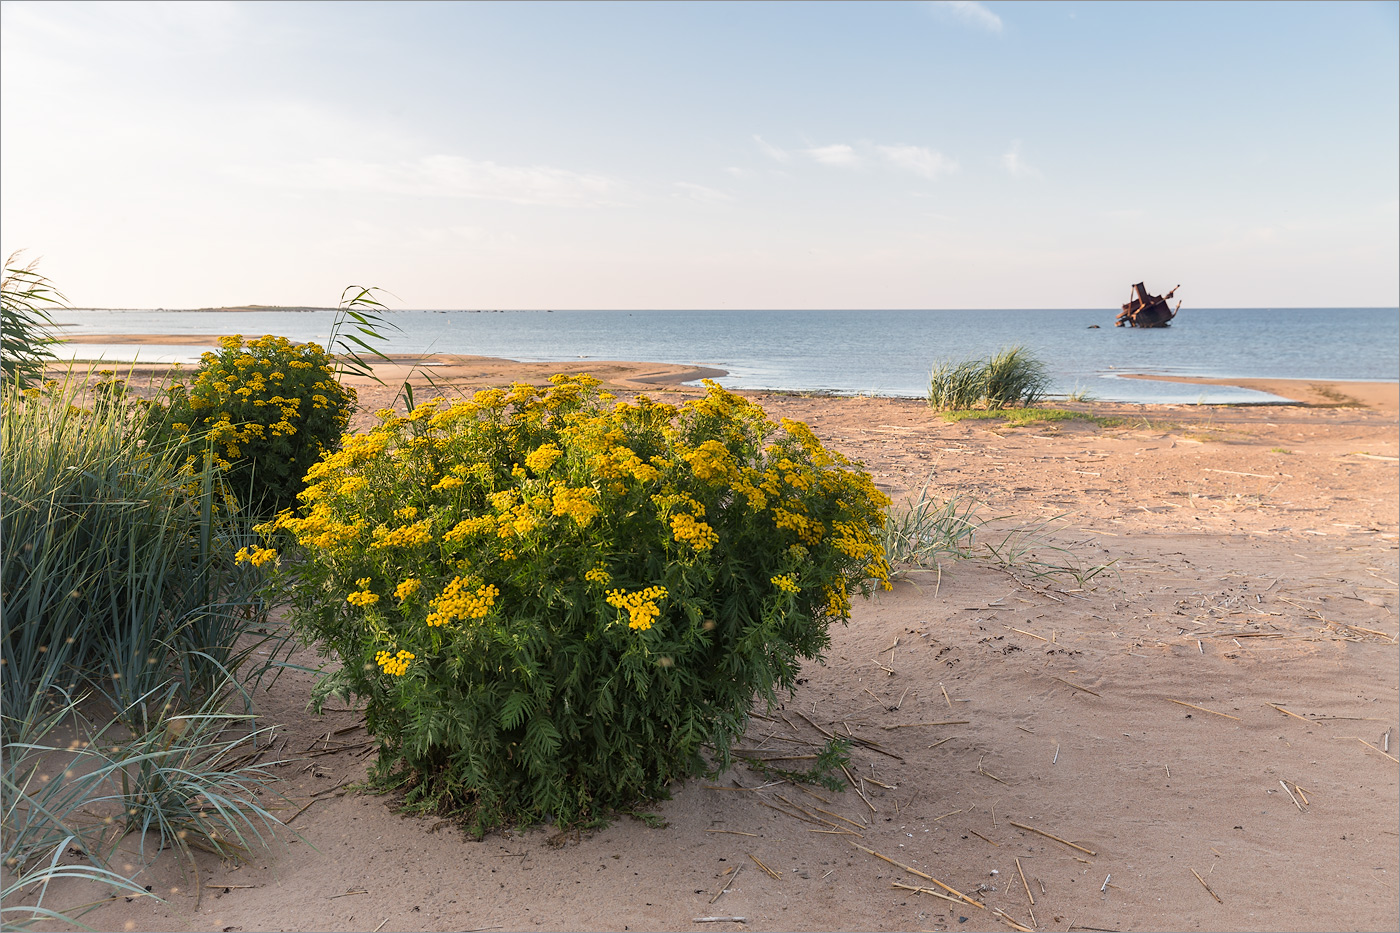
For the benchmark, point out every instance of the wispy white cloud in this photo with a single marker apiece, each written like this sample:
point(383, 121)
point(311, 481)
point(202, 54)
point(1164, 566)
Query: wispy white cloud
point(696, 192)
point(1016, 165)
point(917, 159)
point(970, 12)
point(772, 151)
point(449, 176)
point(839, 154)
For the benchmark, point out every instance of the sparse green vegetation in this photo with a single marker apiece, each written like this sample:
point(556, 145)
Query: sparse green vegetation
point(921, 534)
point(1021, 415)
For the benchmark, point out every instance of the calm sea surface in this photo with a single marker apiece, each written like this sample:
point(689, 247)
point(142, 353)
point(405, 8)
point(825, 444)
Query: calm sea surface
point(871, 352)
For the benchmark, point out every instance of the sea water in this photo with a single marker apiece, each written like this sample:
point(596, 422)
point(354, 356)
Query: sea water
point(876, 352)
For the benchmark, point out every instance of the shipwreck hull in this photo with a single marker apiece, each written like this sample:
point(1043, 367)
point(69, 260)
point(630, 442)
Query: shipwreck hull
point(1145, 310)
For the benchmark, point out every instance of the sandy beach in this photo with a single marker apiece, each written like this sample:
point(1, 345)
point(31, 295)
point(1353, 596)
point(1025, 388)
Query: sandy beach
point(1191, 723)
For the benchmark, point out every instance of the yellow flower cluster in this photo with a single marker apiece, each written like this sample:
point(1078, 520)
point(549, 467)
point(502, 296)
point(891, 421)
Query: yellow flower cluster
point(641, 606)
point(419, 532)
point(786, 583)
point(362, 597)
point(698, 535)
point(396, 664)
point(808, 530)
point(470, 526)
point(599, 576)
point(407, 588)
point(456, 602)
point(711, 462)
point(542, 458)
point(319, 529)
point(257, 556)
point(580, 504)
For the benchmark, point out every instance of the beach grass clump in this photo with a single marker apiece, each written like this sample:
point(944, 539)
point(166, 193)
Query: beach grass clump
point(26, 297)
point(119, 570)
point(189, 782)
point(267, 408)
point(1011, 377)
point(925, 531)
point(553, 603)
point(124, 601)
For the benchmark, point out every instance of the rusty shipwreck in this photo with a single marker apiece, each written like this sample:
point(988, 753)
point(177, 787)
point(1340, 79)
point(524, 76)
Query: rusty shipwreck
point(1144, 310)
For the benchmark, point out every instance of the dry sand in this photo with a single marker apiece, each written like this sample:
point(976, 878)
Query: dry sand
point(1196, 739)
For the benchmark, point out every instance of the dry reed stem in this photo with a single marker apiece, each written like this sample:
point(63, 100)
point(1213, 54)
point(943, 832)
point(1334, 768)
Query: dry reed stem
point(732, 875)
point(288, 820)
point(381, 925)
point(858, 790)
point(924, 875)
point(990, 774)
point(1029, 896)
point(795, 816)
point(941, 722)
point(984, 838)
point(1031, 634)
point(1004, 918)
point(765, 869)
point(915, 887)
point(1074, 685)
point(1287, 713)
point(732, 832)
point(1204, 710)
point(1206, 886)
point(804, 810)
point(1292, 798)
point(949, 813)
point(710, 920)
point(1378, 751)
point(940, 742)
point(946, 698)
point(1089, 852)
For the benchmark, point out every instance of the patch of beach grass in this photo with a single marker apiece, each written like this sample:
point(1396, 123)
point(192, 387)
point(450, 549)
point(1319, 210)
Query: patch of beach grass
point(925, 532)
point(1010, 377)
point(123, 604)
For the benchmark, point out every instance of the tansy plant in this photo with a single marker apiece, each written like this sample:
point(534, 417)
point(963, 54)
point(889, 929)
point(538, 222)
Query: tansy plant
point(551, 602)
point(266, 410)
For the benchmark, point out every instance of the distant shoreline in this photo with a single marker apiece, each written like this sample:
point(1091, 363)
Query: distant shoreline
point(1380, 395)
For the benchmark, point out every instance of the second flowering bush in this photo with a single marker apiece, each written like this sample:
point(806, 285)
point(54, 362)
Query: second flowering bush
point(552, 602)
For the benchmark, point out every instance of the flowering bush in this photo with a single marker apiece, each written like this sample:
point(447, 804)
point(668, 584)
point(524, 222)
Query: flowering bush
point(268, 409)
point(551, 603)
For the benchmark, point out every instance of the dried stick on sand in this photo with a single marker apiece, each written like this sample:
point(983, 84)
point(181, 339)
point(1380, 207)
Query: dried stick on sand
point(1089, 852)
point(925, 876)
point(1204, 710)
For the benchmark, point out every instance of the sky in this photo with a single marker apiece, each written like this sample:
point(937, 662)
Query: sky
point(704, 155)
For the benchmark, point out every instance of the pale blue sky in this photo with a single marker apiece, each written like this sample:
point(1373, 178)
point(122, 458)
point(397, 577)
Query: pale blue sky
point(726, 155)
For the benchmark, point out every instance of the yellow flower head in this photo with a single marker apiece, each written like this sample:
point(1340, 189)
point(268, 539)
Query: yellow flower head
point(641, 606)
point(257, 556)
